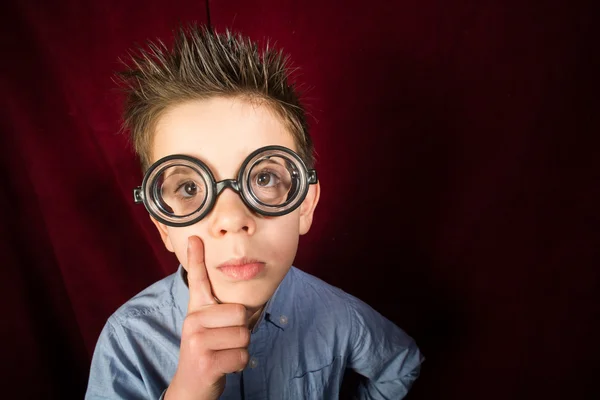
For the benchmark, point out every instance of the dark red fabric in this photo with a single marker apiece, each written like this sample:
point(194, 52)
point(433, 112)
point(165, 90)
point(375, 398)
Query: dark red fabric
point(458, 157)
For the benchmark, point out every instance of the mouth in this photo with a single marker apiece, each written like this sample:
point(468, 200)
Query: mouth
point(242, 269)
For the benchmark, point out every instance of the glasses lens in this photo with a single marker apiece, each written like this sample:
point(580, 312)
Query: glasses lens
point(273, 180)
point(180, 190)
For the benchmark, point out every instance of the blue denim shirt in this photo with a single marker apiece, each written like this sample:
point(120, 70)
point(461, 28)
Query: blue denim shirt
point(308, 334)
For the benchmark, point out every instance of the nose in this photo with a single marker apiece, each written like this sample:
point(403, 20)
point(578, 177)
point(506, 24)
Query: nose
point(231, 216)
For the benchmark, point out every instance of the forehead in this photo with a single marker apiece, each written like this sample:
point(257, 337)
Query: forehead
point(221, 132)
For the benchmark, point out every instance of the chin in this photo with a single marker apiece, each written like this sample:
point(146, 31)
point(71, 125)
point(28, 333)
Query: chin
point(250, 294)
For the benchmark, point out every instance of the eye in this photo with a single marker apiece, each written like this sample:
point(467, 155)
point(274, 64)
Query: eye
point(187, 189)
point(266, 179)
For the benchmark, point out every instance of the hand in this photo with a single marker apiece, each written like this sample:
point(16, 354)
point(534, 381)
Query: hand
point(214, 338)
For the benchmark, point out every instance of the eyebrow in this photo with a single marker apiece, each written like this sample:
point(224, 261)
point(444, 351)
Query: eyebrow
point(271, 161)
point(189, 171)
point(180, 170)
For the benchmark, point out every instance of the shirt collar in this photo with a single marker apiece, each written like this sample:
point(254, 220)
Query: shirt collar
point(180, 291)
point(277, 311)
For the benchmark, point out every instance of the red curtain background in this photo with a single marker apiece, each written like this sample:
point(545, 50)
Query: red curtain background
point(458, 155)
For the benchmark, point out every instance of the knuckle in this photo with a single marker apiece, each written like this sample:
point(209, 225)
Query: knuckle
point(188, 323)
point(244, 336)
point(195, 343)
point(191, 324)
point(244, 357)
point(240, 312)
point(206, 362)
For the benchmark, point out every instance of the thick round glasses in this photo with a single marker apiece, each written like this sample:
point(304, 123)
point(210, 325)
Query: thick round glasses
point(180, 190)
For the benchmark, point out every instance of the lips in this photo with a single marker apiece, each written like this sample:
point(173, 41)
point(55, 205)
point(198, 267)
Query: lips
point(242, 269)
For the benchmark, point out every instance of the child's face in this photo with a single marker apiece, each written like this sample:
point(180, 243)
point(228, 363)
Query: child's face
point(222, 133)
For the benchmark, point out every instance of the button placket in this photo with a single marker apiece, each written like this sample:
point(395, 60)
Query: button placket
point(255, 385)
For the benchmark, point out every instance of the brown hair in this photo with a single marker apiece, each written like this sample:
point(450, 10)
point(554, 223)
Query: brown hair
point(203, 64)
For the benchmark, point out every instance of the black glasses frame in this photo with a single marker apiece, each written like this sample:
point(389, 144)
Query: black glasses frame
point(148, 189)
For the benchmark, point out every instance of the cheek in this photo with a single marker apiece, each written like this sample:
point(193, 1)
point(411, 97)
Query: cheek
point(179, 240)
point(281, 238)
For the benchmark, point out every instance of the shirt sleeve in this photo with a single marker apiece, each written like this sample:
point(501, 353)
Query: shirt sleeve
point(383, 353)
point(113, 374)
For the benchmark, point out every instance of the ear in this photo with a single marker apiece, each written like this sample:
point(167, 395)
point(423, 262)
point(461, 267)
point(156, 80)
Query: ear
point(307, 208)
point(164, 234)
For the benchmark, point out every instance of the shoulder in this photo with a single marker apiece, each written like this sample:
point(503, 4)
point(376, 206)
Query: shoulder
point(321, 296)
point(318, 289)
point(136, 352)
point(150, 304)
point(323, 291)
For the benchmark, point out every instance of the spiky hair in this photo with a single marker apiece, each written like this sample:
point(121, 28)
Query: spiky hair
point(203, 64)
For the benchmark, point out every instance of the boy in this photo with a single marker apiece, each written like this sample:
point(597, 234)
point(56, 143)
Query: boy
point(230, 187)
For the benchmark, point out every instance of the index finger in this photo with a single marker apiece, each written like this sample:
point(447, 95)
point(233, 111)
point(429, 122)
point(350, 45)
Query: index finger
point(200, 289)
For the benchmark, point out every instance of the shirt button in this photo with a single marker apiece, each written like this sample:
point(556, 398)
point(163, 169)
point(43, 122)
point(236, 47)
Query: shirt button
point(253, 363)
point(283, 320)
